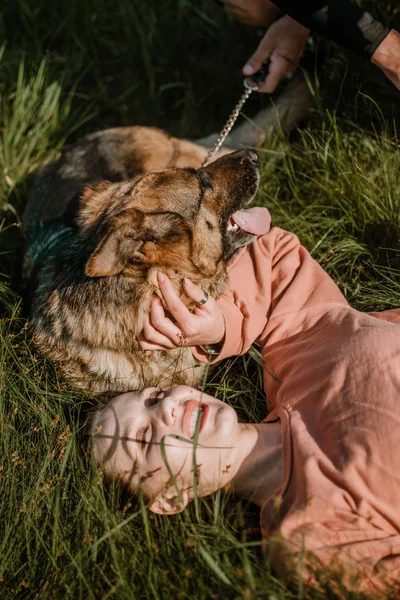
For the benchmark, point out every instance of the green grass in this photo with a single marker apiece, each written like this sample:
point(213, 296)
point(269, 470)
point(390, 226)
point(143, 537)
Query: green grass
point(67, 68)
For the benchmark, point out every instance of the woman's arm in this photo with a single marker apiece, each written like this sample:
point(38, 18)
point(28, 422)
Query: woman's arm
point(272, 276)
point(387, 57)
point(341, 21)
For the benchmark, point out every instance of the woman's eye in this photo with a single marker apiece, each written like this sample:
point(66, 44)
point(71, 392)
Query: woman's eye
point(144, 437)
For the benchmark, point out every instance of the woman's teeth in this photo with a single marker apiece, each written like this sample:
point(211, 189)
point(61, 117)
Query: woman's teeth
point(193, 421)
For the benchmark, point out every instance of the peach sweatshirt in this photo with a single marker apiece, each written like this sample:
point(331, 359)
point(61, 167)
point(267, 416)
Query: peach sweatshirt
point(332, 377)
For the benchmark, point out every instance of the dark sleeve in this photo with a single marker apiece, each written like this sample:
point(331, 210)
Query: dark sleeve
point(340, 21)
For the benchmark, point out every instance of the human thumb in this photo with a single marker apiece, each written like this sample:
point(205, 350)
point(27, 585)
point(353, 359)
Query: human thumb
point(255, 62)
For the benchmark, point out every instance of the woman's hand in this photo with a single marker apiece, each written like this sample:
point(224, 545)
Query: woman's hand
point(387, 57)
point(204, 326)
point(283, 44)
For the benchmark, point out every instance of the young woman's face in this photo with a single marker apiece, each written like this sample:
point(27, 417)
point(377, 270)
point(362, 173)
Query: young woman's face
point(138, 435)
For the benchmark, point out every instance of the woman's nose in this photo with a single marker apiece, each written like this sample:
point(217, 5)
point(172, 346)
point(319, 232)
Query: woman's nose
point(169, 409)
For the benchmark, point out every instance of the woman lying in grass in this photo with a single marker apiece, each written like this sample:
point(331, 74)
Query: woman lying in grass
point(324, 467)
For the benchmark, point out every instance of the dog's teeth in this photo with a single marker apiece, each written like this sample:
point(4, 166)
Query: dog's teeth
point(232, 226)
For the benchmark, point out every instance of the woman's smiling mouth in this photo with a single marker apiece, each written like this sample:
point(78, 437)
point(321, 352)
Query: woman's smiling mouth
point(193, 411)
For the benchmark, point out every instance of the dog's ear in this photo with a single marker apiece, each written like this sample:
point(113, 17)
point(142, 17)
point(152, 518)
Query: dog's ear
point(95, 188)
point(113, 253)
point(97, 200)
point(93, 202)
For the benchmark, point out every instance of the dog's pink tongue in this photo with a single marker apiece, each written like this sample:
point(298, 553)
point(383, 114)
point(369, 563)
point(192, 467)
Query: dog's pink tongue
point(255, 220)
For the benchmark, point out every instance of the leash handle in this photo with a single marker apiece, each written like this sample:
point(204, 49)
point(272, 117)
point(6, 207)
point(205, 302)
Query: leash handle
point(260, 76)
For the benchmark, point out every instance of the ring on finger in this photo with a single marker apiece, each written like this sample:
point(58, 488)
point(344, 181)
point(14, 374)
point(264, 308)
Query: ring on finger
point(204, 299)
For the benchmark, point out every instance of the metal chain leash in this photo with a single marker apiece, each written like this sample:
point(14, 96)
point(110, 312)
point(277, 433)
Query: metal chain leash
point(258, 77)
point(230, 123)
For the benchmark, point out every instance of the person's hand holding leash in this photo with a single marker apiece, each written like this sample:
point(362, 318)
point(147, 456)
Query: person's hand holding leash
point(283, 44)
point(204, 326)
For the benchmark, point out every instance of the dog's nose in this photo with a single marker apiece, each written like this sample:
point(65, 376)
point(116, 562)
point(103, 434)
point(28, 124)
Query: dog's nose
point(253, 156)
point(250, 155)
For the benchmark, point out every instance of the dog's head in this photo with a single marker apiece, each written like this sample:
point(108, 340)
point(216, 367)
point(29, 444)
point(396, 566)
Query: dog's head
point(185, 220)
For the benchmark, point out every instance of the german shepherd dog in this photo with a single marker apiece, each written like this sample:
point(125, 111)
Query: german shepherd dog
point(114, 209)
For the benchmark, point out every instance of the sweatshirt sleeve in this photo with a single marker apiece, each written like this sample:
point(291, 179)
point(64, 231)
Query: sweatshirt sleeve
point(270, 277)
point(341, 21)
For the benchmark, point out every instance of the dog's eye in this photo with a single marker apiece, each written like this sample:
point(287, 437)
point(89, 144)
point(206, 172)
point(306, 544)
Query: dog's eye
point(151, 238)
point(138, 257)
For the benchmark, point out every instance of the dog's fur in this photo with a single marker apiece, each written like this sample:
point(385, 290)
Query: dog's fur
point(101, 221)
